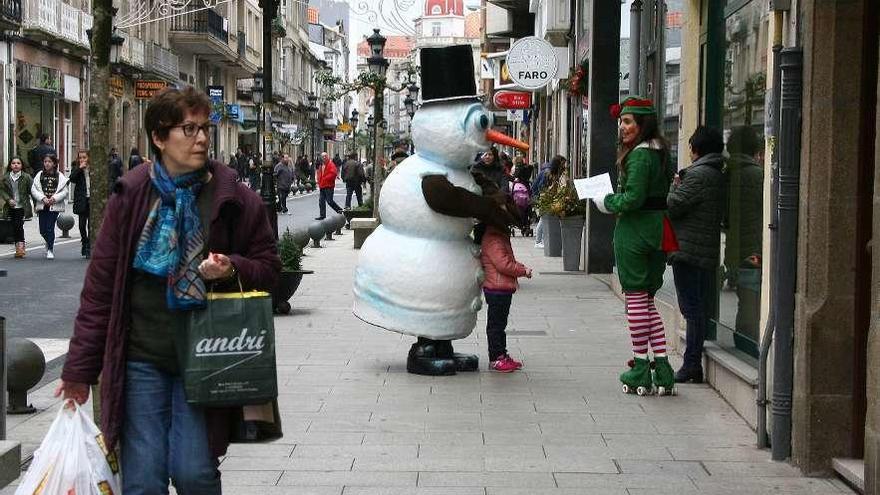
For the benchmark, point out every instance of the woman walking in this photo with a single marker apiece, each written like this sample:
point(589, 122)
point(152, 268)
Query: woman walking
point(82, 189)
point(170, 230)
point(641, 236)
point(49, 191)
point(15, 203)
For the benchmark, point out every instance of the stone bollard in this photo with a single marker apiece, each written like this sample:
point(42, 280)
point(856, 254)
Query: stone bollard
point(301, 237)
point(316, 230)
point(328, 224)
point(65, 223)
point(340, 222)
point(25, 367)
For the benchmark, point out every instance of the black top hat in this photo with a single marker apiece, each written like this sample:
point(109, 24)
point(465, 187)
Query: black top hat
point(448, 73)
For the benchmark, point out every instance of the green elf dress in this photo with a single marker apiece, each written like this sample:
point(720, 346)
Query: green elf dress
point(640, 205)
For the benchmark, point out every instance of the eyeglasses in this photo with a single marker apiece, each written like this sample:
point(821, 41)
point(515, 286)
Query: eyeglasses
point(191, 129)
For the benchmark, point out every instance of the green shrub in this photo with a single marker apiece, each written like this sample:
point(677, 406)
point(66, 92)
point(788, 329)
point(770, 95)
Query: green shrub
point(289, 252)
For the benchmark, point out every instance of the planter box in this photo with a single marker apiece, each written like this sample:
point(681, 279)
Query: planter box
point(552, 236)
point(363, 227)
point(288, 282)
point(572, 235)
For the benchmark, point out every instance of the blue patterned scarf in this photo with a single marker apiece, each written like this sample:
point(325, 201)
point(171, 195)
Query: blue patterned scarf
point(172, 241)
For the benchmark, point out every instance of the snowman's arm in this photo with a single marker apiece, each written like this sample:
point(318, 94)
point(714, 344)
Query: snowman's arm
point(447, 199)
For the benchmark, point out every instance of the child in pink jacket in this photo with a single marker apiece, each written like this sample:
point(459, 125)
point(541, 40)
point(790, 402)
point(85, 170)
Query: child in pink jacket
point(501, 270)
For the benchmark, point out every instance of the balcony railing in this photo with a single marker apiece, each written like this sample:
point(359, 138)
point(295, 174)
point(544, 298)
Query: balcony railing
point(132, 52)
point(57, 19)
point(162, 61)
point(203, 21)
point(11, 10)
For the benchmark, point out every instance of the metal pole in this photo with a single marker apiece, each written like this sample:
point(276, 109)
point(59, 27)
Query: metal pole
point(635, 49)
point(791, 63)
point(2, 372)
point(378, 170)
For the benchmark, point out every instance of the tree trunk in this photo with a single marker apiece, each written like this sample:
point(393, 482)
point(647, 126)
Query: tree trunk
point(378, 151)
point(99, 115)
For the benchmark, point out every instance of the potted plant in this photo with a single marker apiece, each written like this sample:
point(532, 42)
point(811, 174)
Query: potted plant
point(571, 212)
point(278, 29)
point(291, 254)
point(363, 211)
point(552, 234)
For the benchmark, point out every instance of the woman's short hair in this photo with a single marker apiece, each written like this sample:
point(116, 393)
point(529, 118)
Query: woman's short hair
point(168, 109)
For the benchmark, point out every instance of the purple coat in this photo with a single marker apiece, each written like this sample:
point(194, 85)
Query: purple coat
point(239, 228)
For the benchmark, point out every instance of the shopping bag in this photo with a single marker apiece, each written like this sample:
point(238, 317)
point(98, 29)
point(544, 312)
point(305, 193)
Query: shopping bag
point(70, 459)
point(228, 353)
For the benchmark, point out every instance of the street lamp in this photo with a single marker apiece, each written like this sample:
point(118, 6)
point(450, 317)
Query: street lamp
point(410, 105)
point(370, 148)
point(354, 130)
point(267, 182)
point(313, 118)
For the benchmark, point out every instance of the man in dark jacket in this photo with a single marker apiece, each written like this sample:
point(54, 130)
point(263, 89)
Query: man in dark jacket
point(695, 208)
point(115, 167)
point(35, 158)
point(354, 176)
point(284, 176)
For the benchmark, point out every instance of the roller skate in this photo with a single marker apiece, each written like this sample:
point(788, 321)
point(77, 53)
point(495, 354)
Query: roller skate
point(638, 379)
point(664, 377)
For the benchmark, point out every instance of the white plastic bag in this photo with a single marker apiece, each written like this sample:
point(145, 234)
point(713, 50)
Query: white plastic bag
point(72, 460)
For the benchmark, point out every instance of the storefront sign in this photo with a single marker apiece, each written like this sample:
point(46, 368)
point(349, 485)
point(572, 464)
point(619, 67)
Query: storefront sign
point(515, 115)
point(144, 90)
point(532, 63)
point(233, 111)
point(215, 93)
point(117, 86)
point(29, 76)
point(512, 100)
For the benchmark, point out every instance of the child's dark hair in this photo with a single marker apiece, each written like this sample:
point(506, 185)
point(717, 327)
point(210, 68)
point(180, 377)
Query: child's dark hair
point(479, 231)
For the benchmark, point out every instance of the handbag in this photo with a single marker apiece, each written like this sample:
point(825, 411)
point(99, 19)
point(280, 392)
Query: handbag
point(227, 357)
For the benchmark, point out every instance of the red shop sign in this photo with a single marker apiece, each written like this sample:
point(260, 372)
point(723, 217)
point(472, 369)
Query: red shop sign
point(512, 100)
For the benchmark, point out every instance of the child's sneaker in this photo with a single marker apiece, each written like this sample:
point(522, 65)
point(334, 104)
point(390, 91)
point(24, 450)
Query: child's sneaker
point(514, 361)
point(502, 365)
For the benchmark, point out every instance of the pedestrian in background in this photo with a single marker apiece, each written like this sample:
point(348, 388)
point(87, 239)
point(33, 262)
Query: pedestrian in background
point(326, 184)
point(49, 190)
point(353, 175)
point(134, 158)
point(641, 236)
point(695, 210)
point(254, 171)
point(150, 270)
point(490, 166)
point(501, 271)
point(284, 175)
point(115, 168)
point(15, 201)
point(82, 189)
point(35, 157)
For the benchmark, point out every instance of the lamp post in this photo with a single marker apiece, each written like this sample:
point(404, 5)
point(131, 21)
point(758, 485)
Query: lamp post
point(267, 182)
point(354, 127)
point(378, 65)
point(313, 119)
point(370, 142)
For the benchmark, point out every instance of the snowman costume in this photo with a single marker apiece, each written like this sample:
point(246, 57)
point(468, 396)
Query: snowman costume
point(419, 272)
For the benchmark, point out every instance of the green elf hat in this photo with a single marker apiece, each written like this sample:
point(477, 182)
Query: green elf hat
point(635, 105)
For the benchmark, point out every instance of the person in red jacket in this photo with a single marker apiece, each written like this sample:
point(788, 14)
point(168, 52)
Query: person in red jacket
point(327, 185)
point(501, 270)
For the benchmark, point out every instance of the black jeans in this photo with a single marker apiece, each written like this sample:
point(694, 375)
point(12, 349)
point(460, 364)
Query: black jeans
point(496, 323)
point(282, 198)
point(17, 217)
point(84, 227)
point(326, 198)
point(695, 287)
point(358, 191)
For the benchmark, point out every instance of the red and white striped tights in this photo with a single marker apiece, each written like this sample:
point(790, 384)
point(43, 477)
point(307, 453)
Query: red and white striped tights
point(645, 325)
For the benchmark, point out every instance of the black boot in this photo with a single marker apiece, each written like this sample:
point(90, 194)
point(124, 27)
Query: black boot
point(689, 375)
point(427, 358)
point(463, 362)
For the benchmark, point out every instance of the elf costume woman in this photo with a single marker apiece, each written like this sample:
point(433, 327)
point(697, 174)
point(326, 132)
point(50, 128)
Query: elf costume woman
point(641, 238)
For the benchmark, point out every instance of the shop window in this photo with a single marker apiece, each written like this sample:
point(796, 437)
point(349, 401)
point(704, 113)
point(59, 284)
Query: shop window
point(742, 109)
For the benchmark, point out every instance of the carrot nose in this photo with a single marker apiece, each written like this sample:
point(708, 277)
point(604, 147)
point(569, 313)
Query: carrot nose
point(505, 140)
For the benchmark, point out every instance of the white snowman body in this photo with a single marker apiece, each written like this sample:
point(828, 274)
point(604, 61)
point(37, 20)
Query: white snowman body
point(419, 272)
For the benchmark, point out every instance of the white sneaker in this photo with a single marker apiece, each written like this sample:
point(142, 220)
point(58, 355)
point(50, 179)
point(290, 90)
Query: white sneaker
point(539, 245)
point(50, 255)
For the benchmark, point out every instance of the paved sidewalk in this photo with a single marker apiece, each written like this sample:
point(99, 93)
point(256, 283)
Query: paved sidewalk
point(357, 424)
point(35, 244)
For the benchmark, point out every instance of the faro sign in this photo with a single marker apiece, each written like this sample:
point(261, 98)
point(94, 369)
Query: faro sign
point(512, 100)
point(532, 63)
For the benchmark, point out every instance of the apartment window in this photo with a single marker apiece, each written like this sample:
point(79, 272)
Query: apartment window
point(435, 28)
